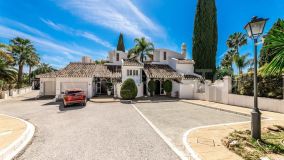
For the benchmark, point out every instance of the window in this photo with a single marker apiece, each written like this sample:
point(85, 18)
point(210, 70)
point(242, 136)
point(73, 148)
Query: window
point(117, 56)
point(132, 72)
point(165, 55)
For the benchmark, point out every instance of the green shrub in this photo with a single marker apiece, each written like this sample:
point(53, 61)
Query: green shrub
point(168, 86)
point(270, 86)
point(151, 87)
point(129, 89)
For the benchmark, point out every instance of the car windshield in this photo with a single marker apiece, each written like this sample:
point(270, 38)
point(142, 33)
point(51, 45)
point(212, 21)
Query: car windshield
point(72, 92)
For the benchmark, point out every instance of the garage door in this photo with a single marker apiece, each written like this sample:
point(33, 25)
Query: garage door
point(49, 88)
point(72, 85)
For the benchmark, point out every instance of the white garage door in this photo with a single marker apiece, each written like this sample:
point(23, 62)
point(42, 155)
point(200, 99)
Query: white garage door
point(49, 88)
point(74, 85)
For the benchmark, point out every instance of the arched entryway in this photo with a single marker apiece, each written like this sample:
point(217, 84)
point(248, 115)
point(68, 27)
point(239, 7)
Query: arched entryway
point(157, 87)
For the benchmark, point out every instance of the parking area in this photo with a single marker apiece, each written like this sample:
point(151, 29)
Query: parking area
point(174, 118)
point(110, 130)
point(101, 131)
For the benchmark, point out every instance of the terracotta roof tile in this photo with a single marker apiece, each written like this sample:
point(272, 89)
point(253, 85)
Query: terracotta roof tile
point(160, 71)
point(84, 70)
point(191, 76)
point(48, 75)
point(131, 62)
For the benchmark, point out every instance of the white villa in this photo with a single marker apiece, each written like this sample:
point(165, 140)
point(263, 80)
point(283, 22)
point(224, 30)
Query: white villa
point(93, 78)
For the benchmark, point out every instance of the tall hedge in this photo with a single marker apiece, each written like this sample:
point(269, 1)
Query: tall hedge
point(168, 86)
point(151, 87)
point(205, 36)
point(270, 86)
point(129, 89)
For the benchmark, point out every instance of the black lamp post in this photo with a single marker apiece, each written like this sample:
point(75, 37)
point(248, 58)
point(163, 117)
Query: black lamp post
point(254, 29)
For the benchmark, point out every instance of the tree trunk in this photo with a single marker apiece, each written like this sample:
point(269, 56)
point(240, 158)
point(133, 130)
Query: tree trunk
point(30, 76)
point(20, 75)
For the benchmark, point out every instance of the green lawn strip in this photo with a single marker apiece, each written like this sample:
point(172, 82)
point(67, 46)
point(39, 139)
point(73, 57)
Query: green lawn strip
point(241, 143)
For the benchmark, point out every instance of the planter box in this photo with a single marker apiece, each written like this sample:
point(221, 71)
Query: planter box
point(14, 92)
point(21, 91)
point(4, 95)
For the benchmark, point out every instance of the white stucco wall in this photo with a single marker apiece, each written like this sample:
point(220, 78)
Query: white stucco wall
point(137, 79)
point(186, 89)
point(112, 57)
point(267, 104)
point(42, 81)
point(159, 55)
point(181, 68)
point(220, 92)
point(176, 88)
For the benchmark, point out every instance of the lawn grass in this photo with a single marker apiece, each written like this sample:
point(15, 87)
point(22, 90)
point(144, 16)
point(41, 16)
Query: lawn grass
point(271, 145)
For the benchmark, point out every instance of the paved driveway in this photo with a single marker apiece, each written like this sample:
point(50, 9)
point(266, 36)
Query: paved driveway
point(174, 118)
point(112, 131)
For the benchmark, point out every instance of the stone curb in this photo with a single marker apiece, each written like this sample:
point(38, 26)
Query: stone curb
point(19, 144)
point(220, 109)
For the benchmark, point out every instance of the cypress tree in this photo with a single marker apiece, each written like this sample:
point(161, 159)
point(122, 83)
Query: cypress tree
point(120, 44)
point(205, 36)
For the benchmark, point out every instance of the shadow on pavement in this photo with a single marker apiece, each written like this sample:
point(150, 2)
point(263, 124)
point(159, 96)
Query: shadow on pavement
point(61, 107)
point(155, 99)
point(70, 107)
point(39, 98)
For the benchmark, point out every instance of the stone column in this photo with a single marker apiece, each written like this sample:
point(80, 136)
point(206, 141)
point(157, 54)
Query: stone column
point(207, 86)
point(227, 89)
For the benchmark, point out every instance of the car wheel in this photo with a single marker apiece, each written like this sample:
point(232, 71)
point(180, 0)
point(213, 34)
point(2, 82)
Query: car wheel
point(64, 105)
point(84, 103)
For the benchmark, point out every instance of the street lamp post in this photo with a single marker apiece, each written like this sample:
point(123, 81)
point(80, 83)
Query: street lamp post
point(254, 29)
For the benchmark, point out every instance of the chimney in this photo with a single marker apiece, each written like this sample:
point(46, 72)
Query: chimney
point(183, 50)
point(86, 59)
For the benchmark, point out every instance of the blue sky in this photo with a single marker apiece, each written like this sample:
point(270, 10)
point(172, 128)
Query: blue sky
point(64, 30)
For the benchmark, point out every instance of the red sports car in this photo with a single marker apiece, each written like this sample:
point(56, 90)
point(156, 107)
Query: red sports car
point(74, 96)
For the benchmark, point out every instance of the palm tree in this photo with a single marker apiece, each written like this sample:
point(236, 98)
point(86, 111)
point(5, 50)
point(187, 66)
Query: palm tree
point(42, 68)
point(241, 62)
point(7, 72)
point(236, 40)
point(4, 56)
point(32, 61)
point(21, 49)
point(142, 48)
point(275, 42)
point(227, 60)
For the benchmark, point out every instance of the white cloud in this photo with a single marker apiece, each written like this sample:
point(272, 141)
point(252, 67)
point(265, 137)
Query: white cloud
point(25, 27)
point(42, 43)
point(75, 32)
point(118, 15)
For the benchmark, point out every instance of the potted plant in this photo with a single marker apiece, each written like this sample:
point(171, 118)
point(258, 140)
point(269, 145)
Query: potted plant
point(151, 87)
point(168, 87)
point(109, 88)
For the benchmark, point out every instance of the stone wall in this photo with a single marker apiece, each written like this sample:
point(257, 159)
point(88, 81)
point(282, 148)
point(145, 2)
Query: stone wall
point(15, 92)
point(221, 92)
